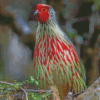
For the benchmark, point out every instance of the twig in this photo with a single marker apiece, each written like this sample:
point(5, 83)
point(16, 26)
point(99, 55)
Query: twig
point(25, 93)
point(2, 82)
point(9, 89)
point(30, 90)
point(38, 91)
point(78, 93)
point(81, 19)
point(20, 88)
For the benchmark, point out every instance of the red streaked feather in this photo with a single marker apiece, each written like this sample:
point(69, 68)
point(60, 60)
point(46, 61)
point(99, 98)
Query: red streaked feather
point(56, 51)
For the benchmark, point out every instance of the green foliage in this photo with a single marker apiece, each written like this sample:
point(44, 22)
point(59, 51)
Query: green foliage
point(9, 88)
point(34, 96)
point(97, 4)
point(71, 35)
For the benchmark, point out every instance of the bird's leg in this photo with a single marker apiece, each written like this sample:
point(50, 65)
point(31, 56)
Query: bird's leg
point(55, 92)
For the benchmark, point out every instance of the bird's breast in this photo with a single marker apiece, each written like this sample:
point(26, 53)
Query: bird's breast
point(54, 58)
point(53, 50)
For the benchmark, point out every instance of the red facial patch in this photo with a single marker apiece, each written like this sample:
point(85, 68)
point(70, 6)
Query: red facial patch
point(43, 14)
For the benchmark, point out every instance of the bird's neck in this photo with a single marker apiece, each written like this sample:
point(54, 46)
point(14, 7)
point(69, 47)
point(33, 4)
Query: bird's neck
point(51, 29)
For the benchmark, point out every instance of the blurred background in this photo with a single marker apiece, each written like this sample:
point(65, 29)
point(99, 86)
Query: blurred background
point(79, 19)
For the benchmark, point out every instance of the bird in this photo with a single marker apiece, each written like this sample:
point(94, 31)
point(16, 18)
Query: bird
point(56, 61)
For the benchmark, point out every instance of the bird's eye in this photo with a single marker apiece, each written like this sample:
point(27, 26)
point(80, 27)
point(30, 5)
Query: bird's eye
point(43, 9)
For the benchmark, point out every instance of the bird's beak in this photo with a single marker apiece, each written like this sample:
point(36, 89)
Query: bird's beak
point(36, 12)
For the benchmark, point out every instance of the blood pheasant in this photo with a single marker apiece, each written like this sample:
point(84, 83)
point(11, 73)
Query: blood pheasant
point(56, 62)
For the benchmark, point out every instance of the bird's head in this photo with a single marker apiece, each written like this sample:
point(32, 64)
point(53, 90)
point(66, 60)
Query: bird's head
point(43, 13)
